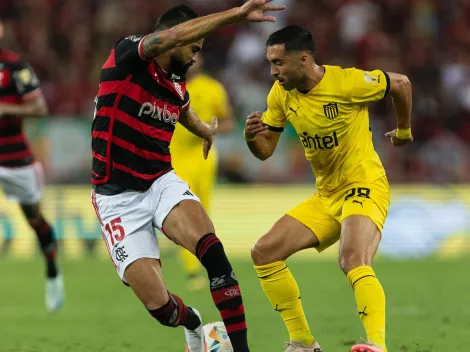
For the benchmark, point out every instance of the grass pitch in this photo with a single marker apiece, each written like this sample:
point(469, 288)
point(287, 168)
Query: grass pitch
point(428, 308)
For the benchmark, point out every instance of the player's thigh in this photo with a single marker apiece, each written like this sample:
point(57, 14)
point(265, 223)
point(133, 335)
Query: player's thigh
point(363, 216)
point(145, 277)
point(307, 225)
point(180, 215)
point(127, 230)
point(315, 213)
point(24, 185)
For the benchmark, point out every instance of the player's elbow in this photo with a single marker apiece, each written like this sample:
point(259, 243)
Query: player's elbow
point(263, 155)
point(399, 83)
point(40, 108)
point(43, 110)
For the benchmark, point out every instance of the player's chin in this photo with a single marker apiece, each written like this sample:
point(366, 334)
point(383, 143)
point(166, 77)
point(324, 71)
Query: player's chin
point(286, 85)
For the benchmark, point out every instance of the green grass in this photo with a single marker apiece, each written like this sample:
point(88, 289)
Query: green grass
point(428, 308)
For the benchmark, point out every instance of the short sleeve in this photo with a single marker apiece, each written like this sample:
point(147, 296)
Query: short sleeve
point(274, 116)
point(129, 51)
point(366, 86)
point(25, 81)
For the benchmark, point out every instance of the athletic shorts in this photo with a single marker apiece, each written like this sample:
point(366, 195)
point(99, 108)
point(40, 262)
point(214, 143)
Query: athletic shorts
point(128, 219)
point(24, 184)
point(324, 215)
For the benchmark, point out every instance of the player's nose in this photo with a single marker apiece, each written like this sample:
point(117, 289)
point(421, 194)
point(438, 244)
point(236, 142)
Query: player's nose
point(274, 72)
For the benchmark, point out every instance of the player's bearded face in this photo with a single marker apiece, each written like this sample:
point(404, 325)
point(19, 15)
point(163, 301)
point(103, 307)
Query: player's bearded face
point(285, 67)
point(180, 63)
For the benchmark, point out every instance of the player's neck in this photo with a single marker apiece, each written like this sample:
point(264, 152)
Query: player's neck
point(164, 62)
point(312, 77)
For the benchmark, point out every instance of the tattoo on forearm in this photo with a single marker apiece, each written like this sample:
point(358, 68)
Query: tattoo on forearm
point(151, 42)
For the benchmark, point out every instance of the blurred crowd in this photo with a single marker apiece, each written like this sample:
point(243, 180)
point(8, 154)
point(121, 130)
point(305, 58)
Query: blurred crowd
point(67, 41)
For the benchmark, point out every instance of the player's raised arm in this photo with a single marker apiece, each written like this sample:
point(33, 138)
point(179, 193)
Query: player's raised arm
point(401, 93)
point(159, 42)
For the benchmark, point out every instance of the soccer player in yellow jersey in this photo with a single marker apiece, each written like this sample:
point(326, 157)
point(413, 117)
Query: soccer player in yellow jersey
point(327, 106)
point(208, 99)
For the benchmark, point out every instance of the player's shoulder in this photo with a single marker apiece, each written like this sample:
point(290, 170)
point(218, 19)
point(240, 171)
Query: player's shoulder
point(9, 56)
point(133, 38)
point(12, 60)
point(340, 72)
point(349, 72)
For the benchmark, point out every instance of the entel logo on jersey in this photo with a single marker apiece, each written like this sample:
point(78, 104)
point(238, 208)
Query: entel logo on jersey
point(158, 113)
point(319, 142)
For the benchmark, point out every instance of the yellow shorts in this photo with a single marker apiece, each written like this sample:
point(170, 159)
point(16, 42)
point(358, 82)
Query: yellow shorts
point(198, 172)
point(324, 215)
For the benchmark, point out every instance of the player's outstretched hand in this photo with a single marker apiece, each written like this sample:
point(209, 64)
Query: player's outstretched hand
point(254, 125)
point(253, 10)
point(398, 142)
point(210, 139)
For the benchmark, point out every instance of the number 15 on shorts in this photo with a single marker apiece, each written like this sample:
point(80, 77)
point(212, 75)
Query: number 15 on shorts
point(115, 231)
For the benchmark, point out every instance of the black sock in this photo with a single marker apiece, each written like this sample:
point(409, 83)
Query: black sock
point(176, 313)
point(51, 269)
point(225, 290)
point(47, 243)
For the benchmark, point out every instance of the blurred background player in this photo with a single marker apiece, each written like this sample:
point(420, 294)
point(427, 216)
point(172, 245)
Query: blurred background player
point(21, 177)
point(208, 99)
point(328, 107)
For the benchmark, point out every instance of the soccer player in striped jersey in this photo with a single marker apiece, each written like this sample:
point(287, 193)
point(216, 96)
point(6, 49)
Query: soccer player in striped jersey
point(21, 177)
point(142, 96)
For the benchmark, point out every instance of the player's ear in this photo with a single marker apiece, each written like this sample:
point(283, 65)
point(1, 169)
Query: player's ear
point(303, 59)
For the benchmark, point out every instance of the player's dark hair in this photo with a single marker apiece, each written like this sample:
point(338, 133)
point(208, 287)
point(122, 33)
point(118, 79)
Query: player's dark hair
point(174, 16)
point(295, 38)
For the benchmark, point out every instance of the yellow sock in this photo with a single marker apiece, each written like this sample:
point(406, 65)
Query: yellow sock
point(283, 293)
point(190, 262)
point(370, 299)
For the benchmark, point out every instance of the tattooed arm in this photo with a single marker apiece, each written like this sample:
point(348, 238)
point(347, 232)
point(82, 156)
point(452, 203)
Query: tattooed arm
point(188, 32)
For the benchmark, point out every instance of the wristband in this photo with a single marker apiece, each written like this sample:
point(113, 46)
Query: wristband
point(403, 134)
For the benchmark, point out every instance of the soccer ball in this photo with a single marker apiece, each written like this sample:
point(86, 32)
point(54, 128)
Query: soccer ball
point(216, 338)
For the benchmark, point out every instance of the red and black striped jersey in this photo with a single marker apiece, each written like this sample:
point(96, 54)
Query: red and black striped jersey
point(137, 108)
point(18, 83)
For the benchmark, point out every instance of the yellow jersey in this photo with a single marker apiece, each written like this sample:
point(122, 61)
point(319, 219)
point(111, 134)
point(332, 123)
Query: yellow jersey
point(208, 99)
point(332, 122)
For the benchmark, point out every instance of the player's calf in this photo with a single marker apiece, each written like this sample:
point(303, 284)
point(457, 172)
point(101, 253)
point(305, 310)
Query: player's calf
point(359, 242)
point(45, 236)
point(224, 288)
point(175, 313)
point(285, 238)
point(145, 277)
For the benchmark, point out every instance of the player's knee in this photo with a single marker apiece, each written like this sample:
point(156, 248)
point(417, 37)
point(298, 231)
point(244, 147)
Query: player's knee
point(351, 259)
point(262, 253)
